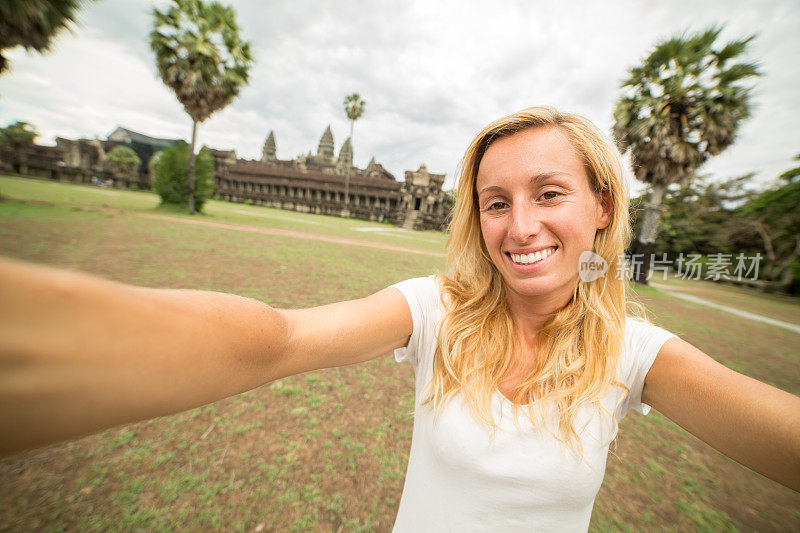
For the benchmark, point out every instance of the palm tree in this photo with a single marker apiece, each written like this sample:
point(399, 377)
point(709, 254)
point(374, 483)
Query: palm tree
point(202, 58)
point(33, 23)
point(681, 106)
point(354, 108)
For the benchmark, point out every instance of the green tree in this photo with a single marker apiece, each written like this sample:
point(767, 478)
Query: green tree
point(695, 216)
point(170, 171)
point(354, 109)
point(793, 173)
point(681, 106)
point(33, 23)
point(123, 159)
point(202, 58)
point(770, 223)
point(18, 135)
point(708, 217)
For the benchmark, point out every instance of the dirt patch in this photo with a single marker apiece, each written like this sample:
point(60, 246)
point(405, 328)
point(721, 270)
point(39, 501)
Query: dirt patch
point(291, 234)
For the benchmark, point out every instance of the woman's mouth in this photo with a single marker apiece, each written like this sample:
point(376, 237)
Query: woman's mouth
point(531, 258)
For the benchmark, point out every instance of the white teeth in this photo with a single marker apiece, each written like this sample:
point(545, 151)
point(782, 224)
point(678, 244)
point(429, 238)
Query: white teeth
point(533, 257)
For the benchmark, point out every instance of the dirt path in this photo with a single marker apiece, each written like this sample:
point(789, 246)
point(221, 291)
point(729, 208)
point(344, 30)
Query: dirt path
point(285, 233)
point(737, 312)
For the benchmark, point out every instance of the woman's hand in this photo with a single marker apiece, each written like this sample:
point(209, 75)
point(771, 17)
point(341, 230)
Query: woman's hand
point(79, 353)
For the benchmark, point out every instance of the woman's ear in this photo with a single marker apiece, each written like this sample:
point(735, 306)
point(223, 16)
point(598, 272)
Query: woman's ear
point(605, 209)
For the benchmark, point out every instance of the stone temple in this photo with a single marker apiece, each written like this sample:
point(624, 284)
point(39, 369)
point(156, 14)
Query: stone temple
point(311, 183)
point(315, 183)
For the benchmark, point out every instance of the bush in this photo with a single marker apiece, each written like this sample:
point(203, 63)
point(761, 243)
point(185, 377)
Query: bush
point(18, 135)
point(123, 159)
point(168, 168)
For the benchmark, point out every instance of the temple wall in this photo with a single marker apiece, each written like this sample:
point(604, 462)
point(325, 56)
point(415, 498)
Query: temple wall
point(307, 191)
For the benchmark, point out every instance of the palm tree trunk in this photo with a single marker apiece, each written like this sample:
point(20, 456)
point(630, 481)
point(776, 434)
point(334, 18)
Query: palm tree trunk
point(190, 169)
point(347, 175)
point(642, 254)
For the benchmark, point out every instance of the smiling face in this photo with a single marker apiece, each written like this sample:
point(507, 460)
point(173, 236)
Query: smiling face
point(538, 212)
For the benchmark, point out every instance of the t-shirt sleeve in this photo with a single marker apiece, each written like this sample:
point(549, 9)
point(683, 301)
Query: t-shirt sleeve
point(422, 295)
point(642, 343)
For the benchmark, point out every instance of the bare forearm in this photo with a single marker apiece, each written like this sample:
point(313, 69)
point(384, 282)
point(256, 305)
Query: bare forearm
point(79, 354)
point(749, 421)
point(759, 427)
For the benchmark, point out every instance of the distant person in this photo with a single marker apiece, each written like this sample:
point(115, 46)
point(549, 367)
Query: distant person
point(524, 366)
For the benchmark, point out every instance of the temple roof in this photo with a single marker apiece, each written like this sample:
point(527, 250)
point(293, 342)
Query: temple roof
point(125, 135)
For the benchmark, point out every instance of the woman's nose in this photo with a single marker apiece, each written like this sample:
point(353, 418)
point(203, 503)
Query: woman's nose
point(525, 222)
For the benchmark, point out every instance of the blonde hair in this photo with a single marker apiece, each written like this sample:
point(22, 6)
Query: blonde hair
point(580, 345)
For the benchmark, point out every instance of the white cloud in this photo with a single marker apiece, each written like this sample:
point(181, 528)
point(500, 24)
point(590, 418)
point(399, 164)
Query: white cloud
point(432, 73)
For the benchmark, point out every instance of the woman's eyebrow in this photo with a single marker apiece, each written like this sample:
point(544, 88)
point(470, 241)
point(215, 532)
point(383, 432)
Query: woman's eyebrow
point(535, 179)
point(490, 188)
point(545, 175)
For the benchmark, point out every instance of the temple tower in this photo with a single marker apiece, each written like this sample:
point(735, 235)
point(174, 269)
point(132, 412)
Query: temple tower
point(269, 153)
point(325, 150)
point(345, 157)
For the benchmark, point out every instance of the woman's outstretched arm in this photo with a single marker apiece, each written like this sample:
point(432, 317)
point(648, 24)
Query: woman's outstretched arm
point(751, 422)
point(79, 353)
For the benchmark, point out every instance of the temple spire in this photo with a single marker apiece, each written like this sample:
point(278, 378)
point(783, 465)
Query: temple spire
point(325, 149)
point(372, 165)
point(345, 156)
point(269, 153)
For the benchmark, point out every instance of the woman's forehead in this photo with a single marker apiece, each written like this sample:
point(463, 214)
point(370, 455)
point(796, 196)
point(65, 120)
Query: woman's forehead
point(528, 154)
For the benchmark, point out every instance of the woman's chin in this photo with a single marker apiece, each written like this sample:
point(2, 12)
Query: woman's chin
point(542, 287)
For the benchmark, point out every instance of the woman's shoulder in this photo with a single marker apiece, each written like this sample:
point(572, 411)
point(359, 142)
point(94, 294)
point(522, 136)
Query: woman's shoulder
point(419, 285)
point(425, 304)
point(643, 339)
point(427, 292)
point(637, 326)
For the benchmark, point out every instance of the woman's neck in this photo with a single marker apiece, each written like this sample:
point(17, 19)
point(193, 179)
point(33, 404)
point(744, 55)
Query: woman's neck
point(531, 313)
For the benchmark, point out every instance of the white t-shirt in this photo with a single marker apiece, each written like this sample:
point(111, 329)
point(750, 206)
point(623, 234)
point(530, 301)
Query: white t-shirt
point(459, 479)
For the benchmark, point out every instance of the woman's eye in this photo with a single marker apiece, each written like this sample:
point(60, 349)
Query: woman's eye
point(494, 206)
point(553, 193)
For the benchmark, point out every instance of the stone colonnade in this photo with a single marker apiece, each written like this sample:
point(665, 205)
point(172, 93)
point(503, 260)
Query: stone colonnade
point(308, 191)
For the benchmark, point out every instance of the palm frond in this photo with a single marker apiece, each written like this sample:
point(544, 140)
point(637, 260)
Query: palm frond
point(738, 72)
point(32, 24)
point(733, 49)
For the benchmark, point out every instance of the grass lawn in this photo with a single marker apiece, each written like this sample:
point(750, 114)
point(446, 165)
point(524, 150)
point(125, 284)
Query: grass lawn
point(775, 306)
point(327, 450)
point(40, 190)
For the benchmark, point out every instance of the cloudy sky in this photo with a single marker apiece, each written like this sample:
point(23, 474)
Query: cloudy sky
point(432, 73)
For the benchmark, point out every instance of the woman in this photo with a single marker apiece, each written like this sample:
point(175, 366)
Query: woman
point(523, 369)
